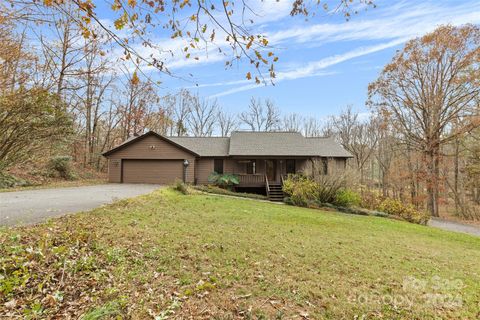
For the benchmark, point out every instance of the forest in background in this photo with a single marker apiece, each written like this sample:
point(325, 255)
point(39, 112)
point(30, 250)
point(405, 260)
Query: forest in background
point(62, 97)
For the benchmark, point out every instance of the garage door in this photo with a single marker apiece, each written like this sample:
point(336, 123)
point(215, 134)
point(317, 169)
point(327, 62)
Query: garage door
point(152, 171)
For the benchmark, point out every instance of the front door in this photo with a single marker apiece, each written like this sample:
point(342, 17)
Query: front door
point(270, 169)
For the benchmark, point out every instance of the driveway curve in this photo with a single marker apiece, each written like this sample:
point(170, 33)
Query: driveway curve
point(454, 226)
point(33, 206)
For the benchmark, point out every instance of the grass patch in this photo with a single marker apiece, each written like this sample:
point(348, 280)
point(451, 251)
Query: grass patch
point(169, 255)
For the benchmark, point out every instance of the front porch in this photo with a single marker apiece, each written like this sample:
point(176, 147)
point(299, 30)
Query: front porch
point(266, 173)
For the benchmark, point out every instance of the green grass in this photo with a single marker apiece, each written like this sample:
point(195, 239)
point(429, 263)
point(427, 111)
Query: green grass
point(169, 255)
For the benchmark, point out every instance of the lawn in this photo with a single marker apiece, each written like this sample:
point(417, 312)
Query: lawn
point(169, 255)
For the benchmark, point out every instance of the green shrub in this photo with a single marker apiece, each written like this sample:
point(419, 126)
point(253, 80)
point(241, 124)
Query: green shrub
point(301, 190)
point(9, 181)
point(180, 186)
point(328, 187)
point(347, 198)
point(405, 211)
point(223, 180)
point(61, 166)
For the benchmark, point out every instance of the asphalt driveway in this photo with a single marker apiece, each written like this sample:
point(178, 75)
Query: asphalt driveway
point(32, 206)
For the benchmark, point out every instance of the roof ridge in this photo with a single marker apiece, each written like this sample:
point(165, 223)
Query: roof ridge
point(248, 131)
point(197, 137)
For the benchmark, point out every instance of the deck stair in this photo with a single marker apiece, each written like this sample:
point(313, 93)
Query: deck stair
point(276, 192)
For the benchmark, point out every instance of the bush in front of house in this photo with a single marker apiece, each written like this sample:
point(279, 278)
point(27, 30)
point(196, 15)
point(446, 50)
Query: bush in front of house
point(306, 191)
point(347, 198)
point(180, 186)
point(223, 180)
point(301, 190)
point(331, 192)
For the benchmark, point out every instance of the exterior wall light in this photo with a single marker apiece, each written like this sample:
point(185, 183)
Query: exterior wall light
point(185, 165)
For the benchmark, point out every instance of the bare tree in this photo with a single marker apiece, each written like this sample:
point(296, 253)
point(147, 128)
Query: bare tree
point(428, 85)
point(227, 123)
point(358, 137)
point(181, 106)
point(203, 117)
point(312, 127)
point(261, 116)
point(292, 122)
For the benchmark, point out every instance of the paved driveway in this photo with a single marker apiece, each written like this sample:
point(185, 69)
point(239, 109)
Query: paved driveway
point(454, 226)
point(32, 206)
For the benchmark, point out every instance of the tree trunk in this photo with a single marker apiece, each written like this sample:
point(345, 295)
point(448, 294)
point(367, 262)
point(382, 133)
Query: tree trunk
point(432, 181)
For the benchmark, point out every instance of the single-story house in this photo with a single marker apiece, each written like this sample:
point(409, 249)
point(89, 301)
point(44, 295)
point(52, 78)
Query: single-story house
point(260, 159)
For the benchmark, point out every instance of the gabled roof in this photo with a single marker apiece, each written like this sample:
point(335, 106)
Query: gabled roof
point(205, 146)
point(251, 144)
point(132, 140)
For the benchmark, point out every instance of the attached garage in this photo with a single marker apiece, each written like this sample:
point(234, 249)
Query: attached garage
point(152, 171)
point(150, 158)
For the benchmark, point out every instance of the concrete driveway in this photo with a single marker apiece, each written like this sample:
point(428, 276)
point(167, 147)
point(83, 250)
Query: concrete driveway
point(32, 206)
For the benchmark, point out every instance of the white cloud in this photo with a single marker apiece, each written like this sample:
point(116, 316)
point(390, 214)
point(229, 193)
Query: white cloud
point(313, 68)
point(395, 21)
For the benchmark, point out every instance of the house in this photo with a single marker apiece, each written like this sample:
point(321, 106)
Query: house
point(260, 159)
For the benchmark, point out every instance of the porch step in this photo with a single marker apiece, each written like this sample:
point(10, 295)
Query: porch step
point(276, 193)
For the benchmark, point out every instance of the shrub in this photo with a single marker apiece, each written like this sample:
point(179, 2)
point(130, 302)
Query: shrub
point(347, 198)
point(9, 181)
point(223, 180)
point(371, 199)
point(180, 186)
point(405, 211)
point(61, 166)
point(300, 189)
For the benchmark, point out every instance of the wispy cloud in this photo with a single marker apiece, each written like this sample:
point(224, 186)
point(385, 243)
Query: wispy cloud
point(314, 68)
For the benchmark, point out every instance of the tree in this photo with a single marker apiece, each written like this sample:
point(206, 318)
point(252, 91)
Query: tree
point(227, 123)
point(261, 116)
point(203, 117)
point(292, 122)
point(429, 85)
point(359, 138)
point(223, 26)
point(31, 123)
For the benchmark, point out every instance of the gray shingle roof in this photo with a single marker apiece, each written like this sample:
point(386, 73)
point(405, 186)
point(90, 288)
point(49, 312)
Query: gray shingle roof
point(247, 143)
point(328, 147)
point(204, 146)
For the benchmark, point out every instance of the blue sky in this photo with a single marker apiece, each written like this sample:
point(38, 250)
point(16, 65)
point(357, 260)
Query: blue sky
point(325, 63)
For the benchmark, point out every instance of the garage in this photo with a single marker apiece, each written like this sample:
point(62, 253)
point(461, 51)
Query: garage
point(151, 171)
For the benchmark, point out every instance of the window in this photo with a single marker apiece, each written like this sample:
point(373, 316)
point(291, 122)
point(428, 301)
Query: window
point(290, 163)
point(325, 165)
point(251, 167)
point(218, 165)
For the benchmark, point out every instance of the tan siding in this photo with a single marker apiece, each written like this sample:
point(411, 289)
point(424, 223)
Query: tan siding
point(204, 167)
point(151, 147)
point(114, 170)
point(143, 150)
